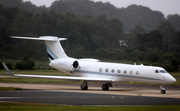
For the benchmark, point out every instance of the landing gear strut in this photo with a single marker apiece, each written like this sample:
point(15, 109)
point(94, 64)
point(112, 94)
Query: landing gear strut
point(163, 91)
point(106, 86)
point(84, 86)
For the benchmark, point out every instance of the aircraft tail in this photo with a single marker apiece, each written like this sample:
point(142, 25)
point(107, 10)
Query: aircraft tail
point(53, 46)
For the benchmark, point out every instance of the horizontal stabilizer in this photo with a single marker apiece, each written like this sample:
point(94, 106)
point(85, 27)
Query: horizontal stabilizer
point(53, 46)
point(45, 38)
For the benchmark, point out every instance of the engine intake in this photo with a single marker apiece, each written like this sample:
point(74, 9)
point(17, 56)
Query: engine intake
point(75, 65)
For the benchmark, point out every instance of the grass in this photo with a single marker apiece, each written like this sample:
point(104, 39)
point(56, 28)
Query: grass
point(50, 107)
point(175, 74)
point(9, 89)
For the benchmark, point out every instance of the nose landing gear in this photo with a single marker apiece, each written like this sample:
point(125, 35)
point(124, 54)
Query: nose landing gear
point(163, 91)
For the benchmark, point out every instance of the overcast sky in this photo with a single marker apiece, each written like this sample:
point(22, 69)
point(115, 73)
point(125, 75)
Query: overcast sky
point(165, 6)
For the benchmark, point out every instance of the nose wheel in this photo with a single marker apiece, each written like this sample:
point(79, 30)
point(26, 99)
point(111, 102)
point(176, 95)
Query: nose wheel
point(163, 91)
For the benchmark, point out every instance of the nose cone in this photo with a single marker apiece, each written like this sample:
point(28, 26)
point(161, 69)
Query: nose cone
point(170, 79)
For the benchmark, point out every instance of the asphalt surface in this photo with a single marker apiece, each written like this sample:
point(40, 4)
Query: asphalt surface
point(72, 95)
point(68, 98)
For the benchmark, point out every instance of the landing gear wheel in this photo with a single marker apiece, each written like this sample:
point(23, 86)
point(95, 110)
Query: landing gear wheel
point(105, 87)
point(84, 88)
point(163, 91)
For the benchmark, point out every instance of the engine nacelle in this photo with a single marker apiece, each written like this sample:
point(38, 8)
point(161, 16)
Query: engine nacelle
point(67, 64)
point(75, 65)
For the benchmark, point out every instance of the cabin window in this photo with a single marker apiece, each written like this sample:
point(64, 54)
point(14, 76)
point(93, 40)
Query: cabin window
point(162, 71)
point(100, 69)
point(131, 72)
point(156, 71)
point(119, 71)
point(107, 70)
point(112, 70)
point(125, 71)
point(137, 73)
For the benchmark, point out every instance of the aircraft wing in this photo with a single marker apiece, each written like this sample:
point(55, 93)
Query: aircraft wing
point(59, 77)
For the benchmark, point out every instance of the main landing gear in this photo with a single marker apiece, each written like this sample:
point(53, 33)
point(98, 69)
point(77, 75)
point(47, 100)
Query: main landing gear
point(163, 91)
point(106, 86)
point(84, 86)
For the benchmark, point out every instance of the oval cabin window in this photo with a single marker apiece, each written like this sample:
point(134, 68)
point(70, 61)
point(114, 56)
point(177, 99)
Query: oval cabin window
point(100, 69)
point(107, 70)
point(125, 71)
point(119, 71)
point(131, 72)
point(137, 73)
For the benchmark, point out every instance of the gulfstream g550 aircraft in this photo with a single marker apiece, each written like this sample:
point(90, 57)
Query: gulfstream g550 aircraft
point(93, 70)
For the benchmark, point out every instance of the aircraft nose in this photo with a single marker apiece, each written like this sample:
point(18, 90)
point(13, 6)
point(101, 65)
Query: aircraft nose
point(170, 79)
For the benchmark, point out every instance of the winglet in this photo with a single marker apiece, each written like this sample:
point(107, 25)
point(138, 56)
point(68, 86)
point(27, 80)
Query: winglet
point(7, 69)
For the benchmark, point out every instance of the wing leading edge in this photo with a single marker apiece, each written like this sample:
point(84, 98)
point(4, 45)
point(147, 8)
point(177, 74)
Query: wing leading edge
point(59, 77)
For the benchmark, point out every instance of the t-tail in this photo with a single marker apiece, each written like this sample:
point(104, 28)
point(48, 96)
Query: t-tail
point(53, 46)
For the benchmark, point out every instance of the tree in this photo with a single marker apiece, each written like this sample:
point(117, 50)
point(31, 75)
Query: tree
point(153, 55)
point(175, 20)
point(1, 66)
point(168, 31)
point(175, 63)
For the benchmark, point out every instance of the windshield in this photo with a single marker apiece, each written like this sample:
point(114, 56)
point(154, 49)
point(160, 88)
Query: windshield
point(162, 71)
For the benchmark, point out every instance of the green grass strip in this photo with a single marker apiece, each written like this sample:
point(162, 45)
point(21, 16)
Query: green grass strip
point(9, 89)
point(50, 107)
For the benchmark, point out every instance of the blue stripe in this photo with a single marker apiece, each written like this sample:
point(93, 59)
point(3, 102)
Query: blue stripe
point(51, 55)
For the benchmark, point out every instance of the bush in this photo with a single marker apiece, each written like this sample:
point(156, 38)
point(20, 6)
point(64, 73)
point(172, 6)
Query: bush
point(20, 65)
point(30, 64)
point(26, 64)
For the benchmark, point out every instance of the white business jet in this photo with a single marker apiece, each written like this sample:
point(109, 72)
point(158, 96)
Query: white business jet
point(93, 70)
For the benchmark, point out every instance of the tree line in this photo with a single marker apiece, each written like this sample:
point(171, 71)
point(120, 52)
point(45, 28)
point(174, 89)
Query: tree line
point(130, 15)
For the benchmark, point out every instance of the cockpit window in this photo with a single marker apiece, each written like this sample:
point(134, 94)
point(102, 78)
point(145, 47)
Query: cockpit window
point(162, 71)
point(156, 71)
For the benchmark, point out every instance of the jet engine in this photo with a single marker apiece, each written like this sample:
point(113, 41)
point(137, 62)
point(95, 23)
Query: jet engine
point(67, 64)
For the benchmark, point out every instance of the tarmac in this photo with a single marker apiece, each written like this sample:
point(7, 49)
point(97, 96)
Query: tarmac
point(71, 94)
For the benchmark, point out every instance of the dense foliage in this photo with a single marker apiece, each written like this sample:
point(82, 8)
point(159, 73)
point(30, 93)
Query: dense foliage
point(97, 36)
point(130, 15)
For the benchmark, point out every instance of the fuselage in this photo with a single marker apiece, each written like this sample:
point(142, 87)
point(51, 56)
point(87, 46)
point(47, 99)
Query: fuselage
point(117, 72)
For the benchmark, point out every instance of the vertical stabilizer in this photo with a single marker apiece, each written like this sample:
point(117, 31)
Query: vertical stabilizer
point(53, 46)
point(54, 49)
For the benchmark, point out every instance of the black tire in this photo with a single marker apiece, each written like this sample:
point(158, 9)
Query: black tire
point(105, 87)
point(84, 88)
point(163, 91)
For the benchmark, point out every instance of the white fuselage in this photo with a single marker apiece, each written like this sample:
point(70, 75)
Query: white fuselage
point(114, 71)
